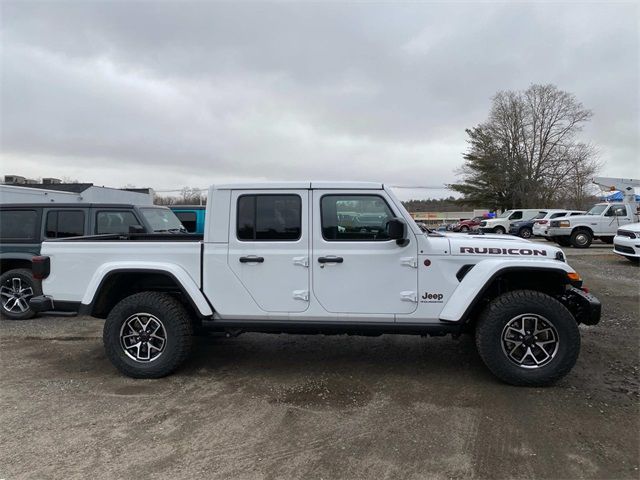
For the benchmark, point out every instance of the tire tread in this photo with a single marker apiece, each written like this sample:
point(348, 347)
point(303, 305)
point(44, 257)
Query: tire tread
point(502, 369)
point(172, 311)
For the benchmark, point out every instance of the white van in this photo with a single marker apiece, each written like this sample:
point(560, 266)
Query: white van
point(500, 224)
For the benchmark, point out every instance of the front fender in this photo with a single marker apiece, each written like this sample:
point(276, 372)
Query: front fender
point(475, 283)
point(179, 274)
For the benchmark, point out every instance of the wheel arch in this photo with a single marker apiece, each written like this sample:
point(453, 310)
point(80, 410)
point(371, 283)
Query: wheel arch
point(495, 280)
point(18, 260)
point(115, 284)
point(582, 227)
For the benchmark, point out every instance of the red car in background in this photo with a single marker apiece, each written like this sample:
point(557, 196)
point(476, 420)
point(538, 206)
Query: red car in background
point(467, 225)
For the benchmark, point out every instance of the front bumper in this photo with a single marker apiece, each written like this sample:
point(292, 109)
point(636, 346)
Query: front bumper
point(585, 308)
point(625, 246)
point(558, 231)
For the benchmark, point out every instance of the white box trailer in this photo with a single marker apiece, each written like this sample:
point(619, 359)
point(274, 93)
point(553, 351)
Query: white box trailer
point(71, 193)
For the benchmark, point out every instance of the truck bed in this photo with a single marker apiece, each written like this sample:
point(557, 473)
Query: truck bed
point(78, 264)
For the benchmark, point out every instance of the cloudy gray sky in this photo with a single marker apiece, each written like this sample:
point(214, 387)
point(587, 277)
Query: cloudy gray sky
point(171, 94)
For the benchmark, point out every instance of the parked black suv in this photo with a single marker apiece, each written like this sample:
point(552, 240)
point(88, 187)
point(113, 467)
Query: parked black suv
point(23, 227)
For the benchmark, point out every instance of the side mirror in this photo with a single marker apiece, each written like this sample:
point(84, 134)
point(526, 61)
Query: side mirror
point(397, 230)
point(136, 229)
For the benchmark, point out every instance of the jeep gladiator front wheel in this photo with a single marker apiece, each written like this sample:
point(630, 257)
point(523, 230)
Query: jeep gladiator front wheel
point(148, 335)
point(527, 338)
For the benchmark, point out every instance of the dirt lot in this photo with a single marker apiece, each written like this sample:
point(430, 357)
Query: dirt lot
point(268, 406)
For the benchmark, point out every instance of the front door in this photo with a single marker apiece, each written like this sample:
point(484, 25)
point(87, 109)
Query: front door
point(356, 268)
point(613, 218)
point(269, 247)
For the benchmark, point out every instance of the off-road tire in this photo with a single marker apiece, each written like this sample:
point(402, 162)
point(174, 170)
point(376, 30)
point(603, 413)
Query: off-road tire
point(179, 334)
point(507, 306)
point(525, 232)
point(581, 238)
point(464, 229)
point(499, 230)
point(607, 240)
point(26, 278)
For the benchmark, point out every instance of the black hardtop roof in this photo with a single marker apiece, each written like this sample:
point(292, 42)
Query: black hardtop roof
point(76, 205)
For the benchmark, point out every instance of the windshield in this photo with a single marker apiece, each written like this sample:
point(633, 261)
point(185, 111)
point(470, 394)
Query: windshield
point(597, 209)
point(505, 214)
point(162, 220)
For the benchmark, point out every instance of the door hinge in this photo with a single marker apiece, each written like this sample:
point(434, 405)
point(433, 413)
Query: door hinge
point(302, 261)
point(301, 295)
point(409, 262)
point(409, 296)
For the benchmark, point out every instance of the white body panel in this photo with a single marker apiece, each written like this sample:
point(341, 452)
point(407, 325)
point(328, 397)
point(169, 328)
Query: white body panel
point(77, 268)
point(377, 281)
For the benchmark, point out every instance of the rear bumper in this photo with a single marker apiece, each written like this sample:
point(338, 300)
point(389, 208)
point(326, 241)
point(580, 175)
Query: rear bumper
point(586, 308)
point(43, 303)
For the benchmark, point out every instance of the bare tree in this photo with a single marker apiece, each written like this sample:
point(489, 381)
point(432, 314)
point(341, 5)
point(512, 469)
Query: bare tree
point(529, 147)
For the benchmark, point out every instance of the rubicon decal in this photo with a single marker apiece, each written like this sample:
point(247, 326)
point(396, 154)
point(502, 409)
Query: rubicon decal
point(431, 297)
point(503, 251)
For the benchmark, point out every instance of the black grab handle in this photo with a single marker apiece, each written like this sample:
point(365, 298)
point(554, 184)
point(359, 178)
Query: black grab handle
point(251, 259)
point(330, 259)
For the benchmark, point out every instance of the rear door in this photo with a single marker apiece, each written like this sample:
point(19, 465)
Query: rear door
point(356, 268)
point(269, 247)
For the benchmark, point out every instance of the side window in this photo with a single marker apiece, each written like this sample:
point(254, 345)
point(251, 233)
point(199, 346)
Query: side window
point(516, 215)
point(573, 214)
point(64, 223)
point(188, 220)
point(354, 217)
point(619, 210)
point(115, 221)
point(18, 225)
point(558, 214)
point(269, 218)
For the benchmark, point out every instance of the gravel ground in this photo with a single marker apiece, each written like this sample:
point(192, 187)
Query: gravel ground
point(269, 406)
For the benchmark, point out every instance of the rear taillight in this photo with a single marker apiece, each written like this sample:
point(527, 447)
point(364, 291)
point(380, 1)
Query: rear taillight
point(40, 267)
point(542, 222)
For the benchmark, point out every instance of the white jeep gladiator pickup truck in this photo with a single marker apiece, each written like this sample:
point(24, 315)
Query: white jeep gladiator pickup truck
point(319, 257)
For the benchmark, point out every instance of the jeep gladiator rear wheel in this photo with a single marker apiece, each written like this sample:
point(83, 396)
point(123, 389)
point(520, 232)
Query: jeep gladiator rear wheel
point(528, 338)
point(148, 335)
point(16, 288)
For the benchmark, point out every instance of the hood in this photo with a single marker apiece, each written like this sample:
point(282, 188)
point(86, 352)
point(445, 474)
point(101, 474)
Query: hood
point(632, 227)
point(500, 246)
